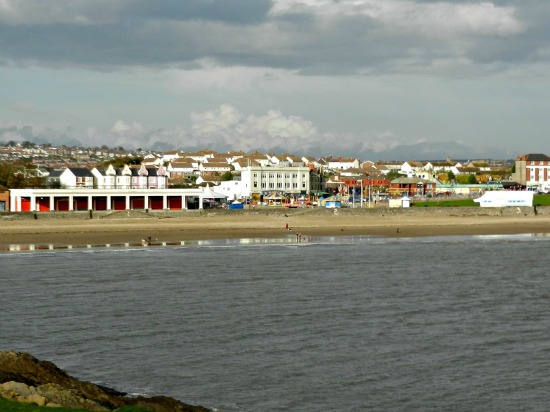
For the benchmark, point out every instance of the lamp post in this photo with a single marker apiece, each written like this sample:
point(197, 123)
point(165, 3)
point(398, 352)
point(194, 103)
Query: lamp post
point(361, 192)
point(369, 194)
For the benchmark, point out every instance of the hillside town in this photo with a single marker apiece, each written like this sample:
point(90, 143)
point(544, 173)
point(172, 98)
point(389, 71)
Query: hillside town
point(48, 178)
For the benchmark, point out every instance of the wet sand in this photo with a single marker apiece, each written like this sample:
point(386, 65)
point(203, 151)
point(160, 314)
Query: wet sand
point(223, 226)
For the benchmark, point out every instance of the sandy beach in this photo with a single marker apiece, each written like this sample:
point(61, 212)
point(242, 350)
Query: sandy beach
point(249, 225)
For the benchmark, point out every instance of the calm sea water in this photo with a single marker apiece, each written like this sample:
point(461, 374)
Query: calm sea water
point(344, 323)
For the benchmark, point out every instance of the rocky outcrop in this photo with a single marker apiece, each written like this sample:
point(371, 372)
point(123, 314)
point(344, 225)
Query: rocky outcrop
point(27, 379)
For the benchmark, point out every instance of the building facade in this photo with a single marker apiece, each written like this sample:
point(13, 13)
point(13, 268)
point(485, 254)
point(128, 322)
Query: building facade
point(533, 170)
point(60, 200)
point(292, 181)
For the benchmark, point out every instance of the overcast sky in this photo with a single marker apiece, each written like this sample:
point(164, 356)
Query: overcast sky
point(375, 79)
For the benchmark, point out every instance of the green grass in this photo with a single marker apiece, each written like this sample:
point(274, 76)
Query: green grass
point(538, 200)
point(7, 405)
point(445, 203)
point(541, 200)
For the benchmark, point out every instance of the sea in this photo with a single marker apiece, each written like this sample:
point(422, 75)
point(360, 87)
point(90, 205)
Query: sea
point(457, 323)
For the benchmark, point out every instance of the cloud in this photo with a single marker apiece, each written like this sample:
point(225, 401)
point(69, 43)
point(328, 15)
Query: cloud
point(322, 37)
point(209, 76)
point(38, 135)
point(428, 18)
point(98, 12)
point(226, 128)
point(247, 132)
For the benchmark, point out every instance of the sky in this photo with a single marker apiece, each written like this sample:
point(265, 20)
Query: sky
point(372, 79)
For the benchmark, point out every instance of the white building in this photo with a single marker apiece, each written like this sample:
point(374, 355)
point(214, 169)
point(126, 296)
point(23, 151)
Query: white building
point(288, 180)
point(105, 178)
point(234, 189)
point(49, 200)
point(411, 169)
point(341, 163)
point(76, 177)
point(533, 170)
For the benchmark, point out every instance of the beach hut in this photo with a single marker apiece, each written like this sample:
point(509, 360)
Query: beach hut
point(400, 202)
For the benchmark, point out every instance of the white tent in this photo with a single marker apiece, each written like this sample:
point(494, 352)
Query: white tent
point(210, 194)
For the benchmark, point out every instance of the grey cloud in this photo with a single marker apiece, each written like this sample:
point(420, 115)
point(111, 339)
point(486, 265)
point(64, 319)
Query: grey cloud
point(167, 140)
point(232, 12)
point(85, 12)
point(242, 33)
point(439, 151)
point(28, 133)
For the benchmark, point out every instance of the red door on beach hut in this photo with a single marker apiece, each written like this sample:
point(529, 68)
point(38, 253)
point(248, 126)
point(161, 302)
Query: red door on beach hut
point(25, 204)
point(100, 203)
point(137, 203)
point(80, 203)
point(174, 202)
point(43, 204)
point(62, 205)
point(156, 203)
point(119, 203)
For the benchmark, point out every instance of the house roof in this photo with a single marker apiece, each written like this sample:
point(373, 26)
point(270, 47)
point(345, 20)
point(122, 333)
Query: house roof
point(409, 180)
point(536, 157)
point(210, 165)
point(81, 172)
point(181, 164)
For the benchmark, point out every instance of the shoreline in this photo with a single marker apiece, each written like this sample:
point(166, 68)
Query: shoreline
point(73, 231)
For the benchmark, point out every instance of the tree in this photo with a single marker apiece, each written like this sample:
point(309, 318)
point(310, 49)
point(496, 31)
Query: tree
point(126, 160)
point(6, 170)
point(393, 174)
point(450, 176)
point(19, 175)
point(226, 176)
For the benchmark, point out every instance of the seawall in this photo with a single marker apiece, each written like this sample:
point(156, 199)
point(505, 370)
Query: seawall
point(265, 211)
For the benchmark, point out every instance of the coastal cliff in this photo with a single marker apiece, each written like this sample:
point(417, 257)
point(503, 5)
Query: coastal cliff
point(27, 379)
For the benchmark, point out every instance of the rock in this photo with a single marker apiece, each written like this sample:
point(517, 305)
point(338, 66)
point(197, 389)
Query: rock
point(27, 379)
point(21, 389)
point(34, 398)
